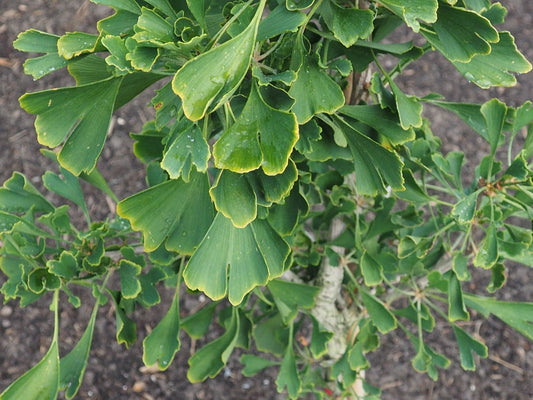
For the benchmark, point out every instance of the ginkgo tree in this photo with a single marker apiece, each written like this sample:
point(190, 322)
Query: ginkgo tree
point(306, 196)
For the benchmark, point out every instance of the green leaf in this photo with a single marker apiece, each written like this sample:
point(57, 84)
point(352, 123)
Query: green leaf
point(66, 267)
point(523, 117)
point(460, 267)
point(380, 315)
point(73, 365)
point(174, 212)
point(465, 209)
point(461, 34)
point(278, 21)
point(161, 345)
point(498, 278)
point(382, 120)
point(130, 286)
point(63, 110)
point(342, 371)
point(166, 105)
point(271, 335)
point(196, 325)
point(73, 44)
point(35, 41)
point(290, 296)
point(371, 270)
point(413, 10)
point(494, 112)
point(126, 330)
point(456, 305)
point(261, 136)
point(319, 339)
point(19, 195)
point(186, 148)
point(210, 359)
point(487, 254)
point(288, 374)
point(232, 261)
point(254, 364)
point(467, 345)
point(234, 198)
point(373, 177)
point(41, 382)
point(515, 314)
point(118, 53)
point(356, 357)
point(409, 109)
point(217, 73)
point(496, 68)
point(348, 24)
point(66, 186)
point(314, 90)
point(127, 5)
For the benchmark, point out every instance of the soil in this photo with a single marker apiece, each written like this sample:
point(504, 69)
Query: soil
point(115, 372)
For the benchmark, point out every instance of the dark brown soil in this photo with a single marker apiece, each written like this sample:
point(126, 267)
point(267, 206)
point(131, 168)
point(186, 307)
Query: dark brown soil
point(117, 373)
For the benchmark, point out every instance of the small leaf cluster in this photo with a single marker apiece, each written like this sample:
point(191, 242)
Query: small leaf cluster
point(305, 196)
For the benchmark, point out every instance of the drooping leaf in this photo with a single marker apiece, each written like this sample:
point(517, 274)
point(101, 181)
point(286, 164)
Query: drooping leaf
point(371, 270)
point(488, 254)
point(67, 186)
point(261, 136)
point(209, 79)
point(196, 325)
point(467, 345)
point(210, 359)
point(380, 315)
point(61, 111)
point(409, 108)
point(373, 177)
point(73, 365)
point(461, 34)
point(382, 120)
point(161, 345)
point(288, 375)
point(254, 364)
point(174, 212)
point(496, 68)
point(456, 306)
point(320, 339)
point(289, 296)
point(518, 315)
point(130, 286)
point(231, 261)
point(494, 112)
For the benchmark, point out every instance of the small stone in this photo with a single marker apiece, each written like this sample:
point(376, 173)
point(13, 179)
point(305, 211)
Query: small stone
point(139, 387)
point(6, 311)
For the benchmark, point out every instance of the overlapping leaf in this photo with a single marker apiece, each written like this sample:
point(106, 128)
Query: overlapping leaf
point(235, 259)
point(261, 136)
point(174, 212)
point(211, 78)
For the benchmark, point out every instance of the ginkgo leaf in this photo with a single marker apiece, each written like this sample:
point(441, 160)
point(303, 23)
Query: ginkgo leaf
point(187, 147)
point(461, 34)
point(235, 259)
point(261, 136)
point(212, 77)
point(61, 111)
point(233, 196)
point(314, 90)
point(174, 212)
point(413, 10)
point(348, 24)
point(496, 68)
